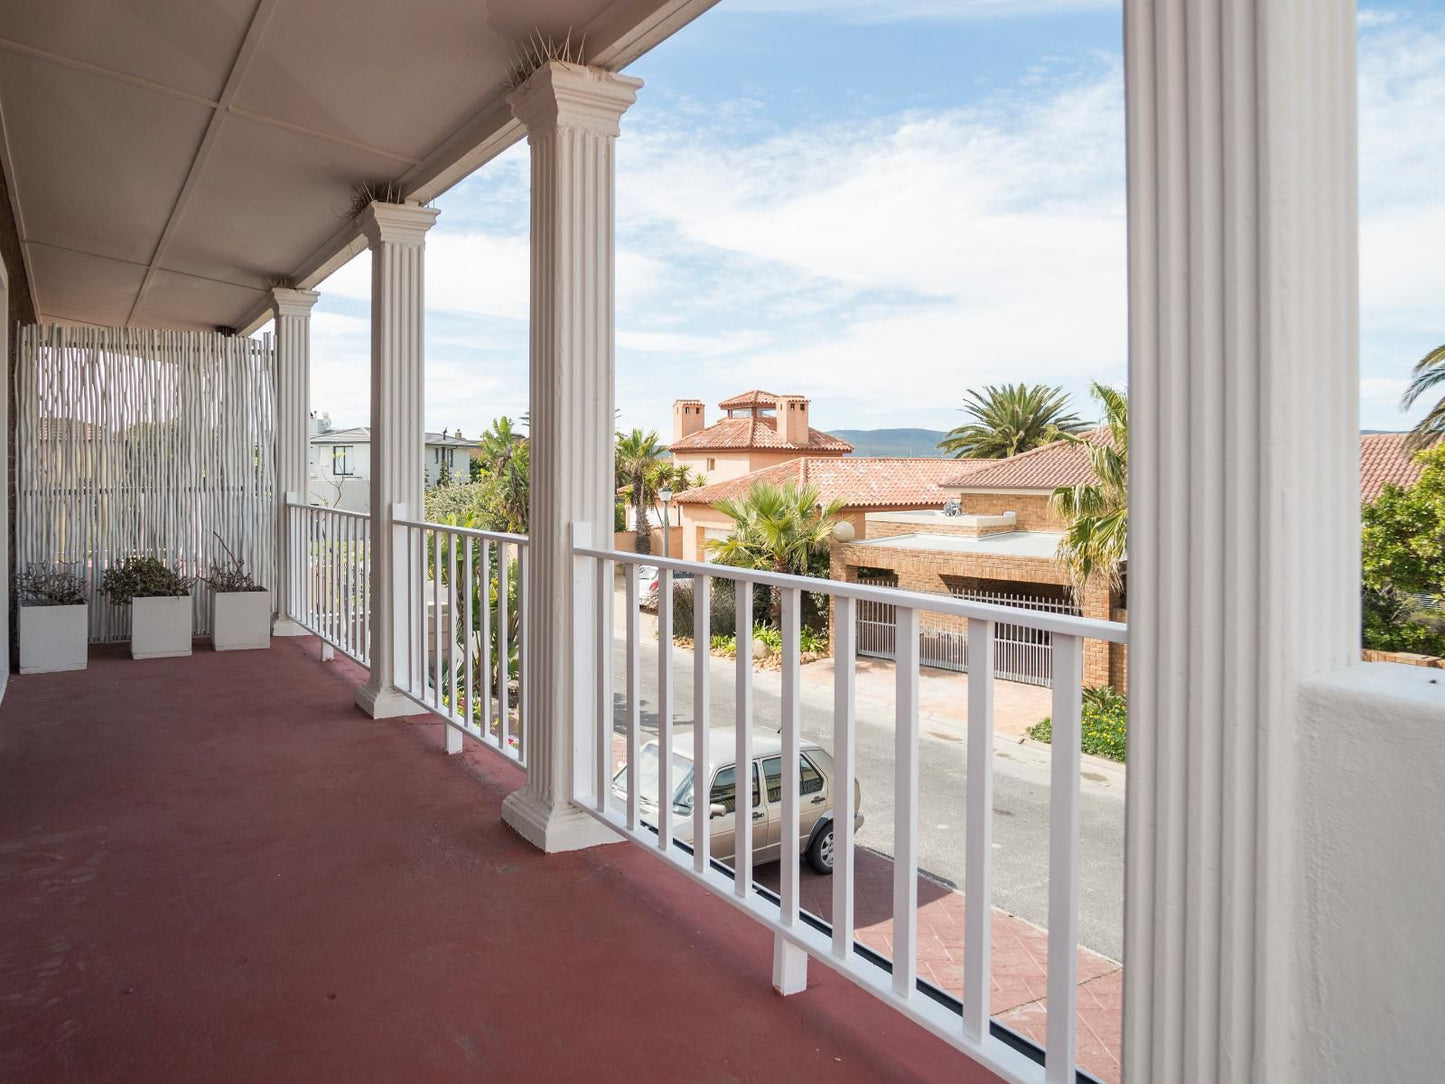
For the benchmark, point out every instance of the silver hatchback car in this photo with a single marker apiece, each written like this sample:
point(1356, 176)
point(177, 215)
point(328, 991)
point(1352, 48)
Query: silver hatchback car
point(815, 795)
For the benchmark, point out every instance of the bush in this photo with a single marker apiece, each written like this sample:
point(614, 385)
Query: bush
point(722, 617)
point(1105, 723)
point(143, 577)
point(42, 585)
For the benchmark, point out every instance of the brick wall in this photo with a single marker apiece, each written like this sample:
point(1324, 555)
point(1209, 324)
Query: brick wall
point(1033, 509)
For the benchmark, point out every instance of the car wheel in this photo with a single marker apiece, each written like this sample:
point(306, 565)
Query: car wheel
point(820, 852)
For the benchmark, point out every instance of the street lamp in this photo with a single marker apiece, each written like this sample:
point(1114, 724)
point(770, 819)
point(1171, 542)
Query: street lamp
point(665, 495)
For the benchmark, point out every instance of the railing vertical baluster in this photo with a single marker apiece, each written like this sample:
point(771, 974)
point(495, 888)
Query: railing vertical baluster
point(486, 668)
point(743, 772)
point(701, 762)
point(664, 709)
point(416, 608)
point(436, 617)
point(524, 617)
point(469, 643)
point(978, 864)
point(453, 735)
point(788, 834)
point(1065, 756)
point(504, 652)
point(634, 696)
point(905, 806)
point(604, 571)
point(845, 744)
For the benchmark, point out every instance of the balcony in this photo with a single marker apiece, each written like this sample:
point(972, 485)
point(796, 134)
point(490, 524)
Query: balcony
point(217, 868)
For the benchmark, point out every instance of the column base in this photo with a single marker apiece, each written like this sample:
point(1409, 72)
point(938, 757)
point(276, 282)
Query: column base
point(386, 703)
point(284, 626)
point(553, 828)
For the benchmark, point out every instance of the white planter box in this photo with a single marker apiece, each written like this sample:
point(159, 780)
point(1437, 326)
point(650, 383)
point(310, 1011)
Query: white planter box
point(53, 638)
point(240, 620)
point(160, 628)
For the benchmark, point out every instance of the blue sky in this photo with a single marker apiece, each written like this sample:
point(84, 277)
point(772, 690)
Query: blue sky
point(880, 204)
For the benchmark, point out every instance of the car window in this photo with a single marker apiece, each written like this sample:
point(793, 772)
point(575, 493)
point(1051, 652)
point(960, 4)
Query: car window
point(725, 791)
point(810, 781)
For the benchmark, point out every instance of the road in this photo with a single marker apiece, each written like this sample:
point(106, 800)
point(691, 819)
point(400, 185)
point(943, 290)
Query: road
point(1021, 794)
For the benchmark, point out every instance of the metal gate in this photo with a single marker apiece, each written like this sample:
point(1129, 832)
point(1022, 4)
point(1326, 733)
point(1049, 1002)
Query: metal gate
point(1021, 653)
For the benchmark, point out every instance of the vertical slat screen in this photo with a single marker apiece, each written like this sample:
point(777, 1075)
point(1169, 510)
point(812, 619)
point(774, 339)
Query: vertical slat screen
point(142, 441)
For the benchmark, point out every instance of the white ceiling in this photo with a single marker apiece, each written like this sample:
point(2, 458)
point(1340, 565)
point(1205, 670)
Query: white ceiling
point(170, 159)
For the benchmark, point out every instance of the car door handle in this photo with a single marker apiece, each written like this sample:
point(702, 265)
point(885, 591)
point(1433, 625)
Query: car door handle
point(758, 815)
point(819, 800)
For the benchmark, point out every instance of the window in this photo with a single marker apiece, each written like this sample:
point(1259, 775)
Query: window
point(647, 777)
point(712, 464)
point(810, 781)
point(341, 460)
point(725, 791)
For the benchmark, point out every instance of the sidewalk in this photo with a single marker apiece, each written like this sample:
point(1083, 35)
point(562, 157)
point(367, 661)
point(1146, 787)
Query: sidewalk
point(1018, 954)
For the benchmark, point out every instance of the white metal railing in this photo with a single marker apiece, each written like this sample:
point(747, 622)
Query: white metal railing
point(797, 938)
point(465, 597)
point(330, 576)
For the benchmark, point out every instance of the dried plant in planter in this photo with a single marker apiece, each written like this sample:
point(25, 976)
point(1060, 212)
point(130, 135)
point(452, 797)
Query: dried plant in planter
point(143, 577)
point(232, 576)
point(44, 585)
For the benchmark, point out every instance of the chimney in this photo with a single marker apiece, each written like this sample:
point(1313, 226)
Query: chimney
point(793, 419)
point(687, 417)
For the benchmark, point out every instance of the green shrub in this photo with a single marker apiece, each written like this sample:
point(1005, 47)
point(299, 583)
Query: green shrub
point(722, 615)
point(1104, 724)
point(143, 577)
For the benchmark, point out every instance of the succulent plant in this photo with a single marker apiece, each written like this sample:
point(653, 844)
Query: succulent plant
point(143, 577)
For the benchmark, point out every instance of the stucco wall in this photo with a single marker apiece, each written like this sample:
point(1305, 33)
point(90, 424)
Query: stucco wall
point(1370, 937)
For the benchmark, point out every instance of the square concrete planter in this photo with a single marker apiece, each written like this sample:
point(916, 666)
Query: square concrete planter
point(160, 628)
point(53, 638)
point(240, 620)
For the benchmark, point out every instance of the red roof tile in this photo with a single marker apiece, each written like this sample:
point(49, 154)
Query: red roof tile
point(759, 433)
point(750, 399)
point(1061, 463)
point(1386, 459)
point(858, 482)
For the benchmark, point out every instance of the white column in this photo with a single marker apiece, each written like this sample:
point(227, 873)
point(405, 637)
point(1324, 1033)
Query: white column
point(571, 114)
point(397, 236)
point(1244, 537)
point(292, 314)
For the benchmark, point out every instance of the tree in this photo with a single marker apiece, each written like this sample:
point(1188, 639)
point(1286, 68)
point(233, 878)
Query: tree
point(497, 497)
point(1010, 419)
point(1402, 550)
point(1429, 372)
point(1097, 512)
point(637, 459)
point(777, 529)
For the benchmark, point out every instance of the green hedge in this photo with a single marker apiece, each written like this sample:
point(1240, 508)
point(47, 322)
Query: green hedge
point(1105, 723)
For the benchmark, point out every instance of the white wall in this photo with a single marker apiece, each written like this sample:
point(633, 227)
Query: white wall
point(1371, 894)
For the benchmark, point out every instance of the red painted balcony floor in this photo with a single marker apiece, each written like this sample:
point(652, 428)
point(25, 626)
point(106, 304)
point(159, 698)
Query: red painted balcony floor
point(216, 868)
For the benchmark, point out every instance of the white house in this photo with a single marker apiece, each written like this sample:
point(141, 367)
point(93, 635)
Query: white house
point(339, 463)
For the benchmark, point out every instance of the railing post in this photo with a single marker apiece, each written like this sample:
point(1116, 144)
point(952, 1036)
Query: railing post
point(584, 670)
point(289, 555)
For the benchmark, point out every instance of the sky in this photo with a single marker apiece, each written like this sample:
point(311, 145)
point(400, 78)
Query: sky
point(880, 204)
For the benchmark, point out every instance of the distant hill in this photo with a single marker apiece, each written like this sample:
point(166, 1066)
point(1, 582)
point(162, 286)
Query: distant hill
point(893, 442)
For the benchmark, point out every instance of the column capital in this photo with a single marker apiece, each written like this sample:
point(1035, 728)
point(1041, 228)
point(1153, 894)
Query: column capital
point(396, 223)
point(562, 95)
point(288, 302)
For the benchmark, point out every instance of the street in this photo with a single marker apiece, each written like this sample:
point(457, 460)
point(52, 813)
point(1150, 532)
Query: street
point(1021, 792)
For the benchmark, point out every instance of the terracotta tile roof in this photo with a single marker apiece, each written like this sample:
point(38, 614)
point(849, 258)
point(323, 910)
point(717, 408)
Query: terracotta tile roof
point(760, 433)
point(1062, 463)
point(1386, 459)
point(860, 482)
point(750, 399)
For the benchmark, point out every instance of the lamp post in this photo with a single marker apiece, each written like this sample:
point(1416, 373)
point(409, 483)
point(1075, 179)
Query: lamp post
point(665, 495)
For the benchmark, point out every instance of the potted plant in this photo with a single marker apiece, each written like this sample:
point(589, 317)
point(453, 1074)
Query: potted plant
point(240, 608)
point(54, 630)
point(160, 606)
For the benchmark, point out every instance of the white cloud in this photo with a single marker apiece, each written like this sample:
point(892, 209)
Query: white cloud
point(902, 10)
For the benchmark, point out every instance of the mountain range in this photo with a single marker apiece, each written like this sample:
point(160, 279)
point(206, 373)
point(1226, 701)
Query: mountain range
point(893, 442)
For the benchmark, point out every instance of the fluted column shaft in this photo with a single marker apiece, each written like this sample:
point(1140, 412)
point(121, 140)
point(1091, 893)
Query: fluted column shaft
point(292, 315)
point(571, 114)
point(1244, 538)
point(397, 236)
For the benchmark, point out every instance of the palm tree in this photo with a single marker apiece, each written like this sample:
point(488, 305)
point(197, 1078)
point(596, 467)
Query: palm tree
point(777, 529)
point(1098, 512)
point(638, 457)
point(1010, 419)
point(1429, 371)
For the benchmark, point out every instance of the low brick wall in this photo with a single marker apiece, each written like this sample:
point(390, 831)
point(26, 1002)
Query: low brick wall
point(1408, 658)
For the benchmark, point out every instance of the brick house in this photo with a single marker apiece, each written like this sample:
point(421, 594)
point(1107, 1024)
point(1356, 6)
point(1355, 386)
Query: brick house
point(758, 429)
